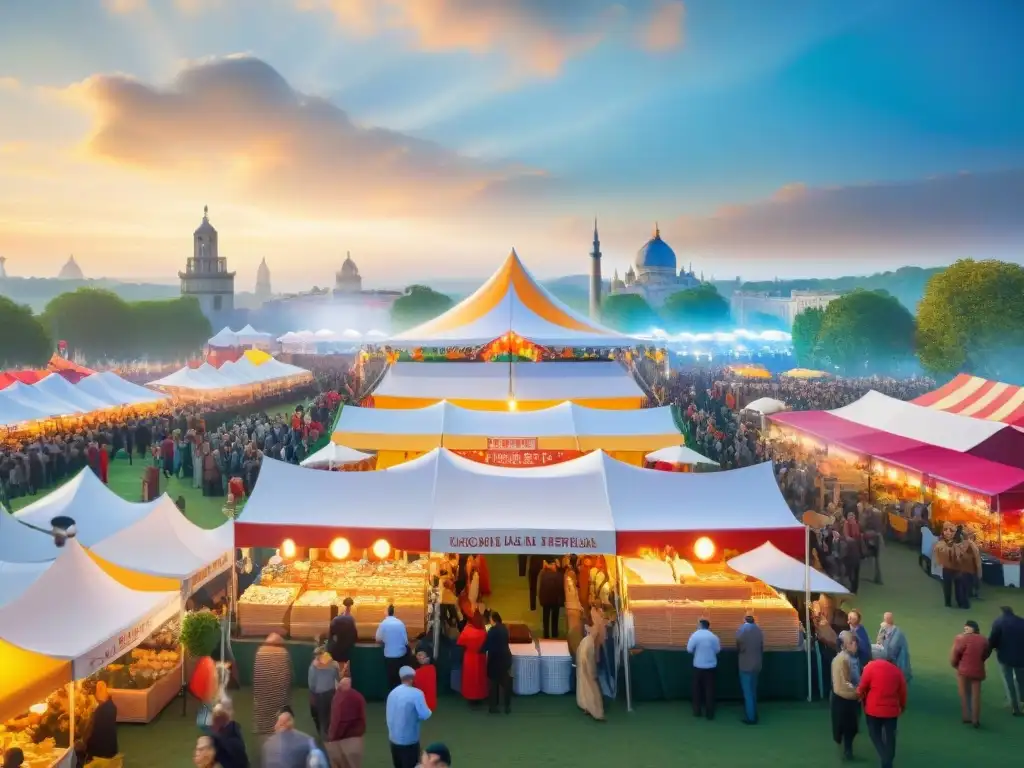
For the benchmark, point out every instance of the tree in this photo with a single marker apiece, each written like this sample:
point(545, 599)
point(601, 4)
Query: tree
point(629, 313)
point(95, 323)
point(806, 330)
point(866, 332)
point(23, 339)
point(168, 330)
point(971, 318)
point(696, 309)
point(417, 305)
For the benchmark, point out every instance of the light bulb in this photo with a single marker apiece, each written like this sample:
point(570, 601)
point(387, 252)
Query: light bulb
point(287, 550)
point(704, 548)
point(381, 548)
point(339, 549)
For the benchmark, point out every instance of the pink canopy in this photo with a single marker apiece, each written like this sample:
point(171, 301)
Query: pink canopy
point(853, 437)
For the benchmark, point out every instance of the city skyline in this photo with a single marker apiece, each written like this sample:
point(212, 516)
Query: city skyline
point(813, 139)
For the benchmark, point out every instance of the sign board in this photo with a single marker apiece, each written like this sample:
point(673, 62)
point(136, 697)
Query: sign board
point(124, 641)
point(519, 458)
point(511, 443)
point(535, 542)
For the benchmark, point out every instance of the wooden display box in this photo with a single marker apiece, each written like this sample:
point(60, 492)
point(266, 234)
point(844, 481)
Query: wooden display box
point(142, 706)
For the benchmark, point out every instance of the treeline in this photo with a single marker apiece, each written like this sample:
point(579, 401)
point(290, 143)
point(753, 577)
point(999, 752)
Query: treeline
point(695, 309)
point(970, 319)
point(101, 327)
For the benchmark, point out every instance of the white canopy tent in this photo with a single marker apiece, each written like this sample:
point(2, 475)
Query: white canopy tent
point(58, 387)
point(16, 411)
point(249, 336)
point(766, 406)
point(240, 373)
point(334, 455)
point(125, 391)
point(40, 401)
point(225, 337)
point(75, 611)
point(680, 455)
point(97, 511)
point(781, 571)
point(165, 543)
point(15, 578)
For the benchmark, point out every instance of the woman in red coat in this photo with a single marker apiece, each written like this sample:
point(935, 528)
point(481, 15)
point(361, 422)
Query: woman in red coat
point(970, 652)
point(474, 663)
point(104, 463)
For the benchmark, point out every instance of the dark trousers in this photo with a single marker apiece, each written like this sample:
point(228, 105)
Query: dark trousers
point(392, 666)
point(1008, 674)
point(550, 621)
point(501, 685)
point(962, 583)
point(405, 755)
point(704, 693)
point(853, 570)
point(948, 577)
point(882, 731)
point(536, 566)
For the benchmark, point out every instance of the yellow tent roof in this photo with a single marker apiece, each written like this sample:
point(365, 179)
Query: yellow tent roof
point(805, 373)
point(257, 357)
point(511, 300)
point(27, 678)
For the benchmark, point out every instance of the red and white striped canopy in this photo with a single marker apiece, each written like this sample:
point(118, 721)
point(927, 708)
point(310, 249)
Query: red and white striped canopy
point(969, 395)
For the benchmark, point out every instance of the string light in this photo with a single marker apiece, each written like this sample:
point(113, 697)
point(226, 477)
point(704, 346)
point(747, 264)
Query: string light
point(288, 549)
point(704, 548)
point(381, 548)
point(339, 549)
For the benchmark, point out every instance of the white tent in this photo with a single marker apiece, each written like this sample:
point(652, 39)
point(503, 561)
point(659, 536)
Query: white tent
point(15, 578)
point(350, 333)
point(288, 337)
point(766, 406)
point(182, 378)
point(781, 571)
point(917, 422)
point(679, 454)
point(250, 336)
point(334, 455)
point(16, 411)
point(550, 381)
point(58, 387)
point(123, 390)
point(165, 543)
point(40, 401)
point(375, 334)
point(325, 334)
point(225, 337)
point(97, 511)
point(75, 611)
point(239, 373)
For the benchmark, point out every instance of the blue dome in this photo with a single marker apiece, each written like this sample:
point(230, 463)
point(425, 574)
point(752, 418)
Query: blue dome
point(656, 254)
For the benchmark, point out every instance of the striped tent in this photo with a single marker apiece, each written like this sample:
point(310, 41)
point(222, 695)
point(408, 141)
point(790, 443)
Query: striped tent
point(981, 398)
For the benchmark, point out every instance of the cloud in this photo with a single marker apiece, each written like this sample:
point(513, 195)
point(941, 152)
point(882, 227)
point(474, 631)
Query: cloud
point(942, 215)
point(234, 126)
point(539, 34)
point(664, 29)
point(10, 84)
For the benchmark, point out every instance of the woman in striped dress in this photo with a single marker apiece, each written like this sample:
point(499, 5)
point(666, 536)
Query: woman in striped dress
point(271, 684)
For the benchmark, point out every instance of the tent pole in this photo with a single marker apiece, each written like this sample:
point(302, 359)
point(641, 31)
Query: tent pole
point(624, 635)
point(807, 608)
point(71, 719)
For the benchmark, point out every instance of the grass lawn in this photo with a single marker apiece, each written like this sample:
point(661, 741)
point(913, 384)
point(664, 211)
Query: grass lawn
point(549, 731)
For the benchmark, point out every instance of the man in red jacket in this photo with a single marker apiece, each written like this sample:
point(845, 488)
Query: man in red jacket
point(883, 689)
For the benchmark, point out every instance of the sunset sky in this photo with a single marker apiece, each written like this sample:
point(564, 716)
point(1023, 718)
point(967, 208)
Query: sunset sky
point(428, 137)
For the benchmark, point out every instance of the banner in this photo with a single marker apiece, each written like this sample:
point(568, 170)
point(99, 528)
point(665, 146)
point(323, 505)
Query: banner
point(536, 542)
point(519, 458)
point(511, 443)
point(114, 648)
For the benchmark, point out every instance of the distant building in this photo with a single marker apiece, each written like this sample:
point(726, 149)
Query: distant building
point(595, 277)
point(263, 291)
point(346, 307)
point(746, 305)
point(3, 267)
point(70, 271)
point(655, 276)
point(347, 280)
point(207, 278)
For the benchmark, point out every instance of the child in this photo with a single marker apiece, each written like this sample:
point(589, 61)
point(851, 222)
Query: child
point(426, 679)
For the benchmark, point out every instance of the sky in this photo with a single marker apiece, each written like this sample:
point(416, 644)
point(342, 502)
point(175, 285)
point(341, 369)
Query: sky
point(429, 137)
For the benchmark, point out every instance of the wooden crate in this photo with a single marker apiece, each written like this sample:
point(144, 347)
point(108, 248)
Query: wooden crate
point(142, 706)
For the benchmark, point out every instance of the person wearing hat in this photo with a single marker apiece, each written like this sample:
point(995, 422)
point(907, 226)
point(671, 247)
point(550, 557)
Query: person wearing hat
point(436, 755)
point(406, 708)
point(970, 652)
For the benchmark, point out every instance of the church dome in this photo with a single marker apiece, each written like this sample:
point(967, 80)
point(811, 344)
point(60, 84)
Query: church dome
point(348, 267)
point(71, 271)
point(206, 227)
point(656, 254)
point(263, 272)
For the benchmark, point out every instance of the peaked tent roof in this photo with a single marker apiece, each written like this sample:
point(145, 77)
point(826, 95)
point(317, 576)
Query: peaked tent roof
point(28, 395)
point(127, 392)
point(511, 300)
point(679, 454)
point(979, 398)
point(765, 406)
point(777, 569)
point(334, 455)
point(58, 387)
point(566, 426)
point(225, 337)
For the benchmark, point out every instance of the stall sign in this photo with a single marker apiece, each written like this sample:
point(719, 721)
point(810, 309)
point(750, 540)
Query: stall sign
point(203, 575)
point(117, 646)
point(511, 443)
point(523, 541)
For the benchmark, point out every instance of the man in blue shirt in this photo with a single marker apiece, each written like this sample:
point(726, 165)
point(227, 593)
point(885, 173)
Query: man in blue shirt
point(392, 635)
point(406, 709)
point(704, 645)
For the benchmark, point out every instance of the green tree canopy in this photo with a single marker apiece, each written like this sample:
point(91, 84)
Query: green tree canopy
point(972, 319)
point(866, 332)
point(696, 309)
point(417, 305)
point(806, 330)
point(629, 313)
point(762, 321)
point(99, 325)
point(23, 339)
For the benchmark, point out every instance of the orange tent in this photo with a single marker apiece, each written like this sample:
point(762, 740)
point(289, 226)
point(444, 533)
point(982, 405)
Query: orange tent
point(73, 372)
point(25, 377)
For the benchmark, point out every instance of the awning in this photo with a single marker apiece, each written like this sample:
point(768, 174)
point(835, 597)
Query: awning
point(334, 455)
point(679, 455)
point(978, 398)
point(777, 569)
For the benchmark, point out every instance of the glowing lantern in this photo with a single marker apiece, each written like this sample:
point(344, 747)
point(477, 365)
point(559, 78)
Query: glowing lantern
point(381, 548)
point(704, 548)
point(512, 404)
point(287, 550)
point(339, 549)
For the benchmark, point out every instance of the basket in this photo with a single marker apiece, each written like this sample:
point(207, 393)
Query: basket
point(525, 675)
point(555, 667)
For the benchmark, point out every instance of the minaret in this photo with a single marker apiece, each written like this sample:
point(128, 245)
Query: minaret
point(263, 282)
point(595, 277)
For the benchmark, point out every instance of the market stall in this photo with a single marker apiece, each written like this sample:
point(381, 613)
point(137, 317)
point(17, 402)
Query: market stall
point(677, 458)
point(89, 620)
point(518, 438)
point(978, 398)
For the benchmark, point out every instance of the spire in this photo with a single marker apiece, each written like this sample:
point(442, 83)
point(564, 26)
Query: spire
point(657, 231)
point(206, 213)
point(596, 238)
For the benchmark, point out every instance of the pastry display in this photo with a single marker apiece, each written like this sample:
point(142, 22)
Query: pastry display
point(264, 610)
point(291, 574)
point(44, 732)
point(155, 657)
point(312, 613)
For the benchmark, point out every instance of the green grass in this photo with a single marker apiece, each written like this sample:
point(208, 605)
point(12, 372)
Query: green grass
point(549, 731)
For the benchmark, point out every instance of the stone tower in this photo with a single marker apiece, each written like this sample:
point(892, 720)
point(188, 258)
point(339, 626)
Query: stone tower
point(595, 277)
point(3, 267)
point(206, 275)
point(263, 291)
